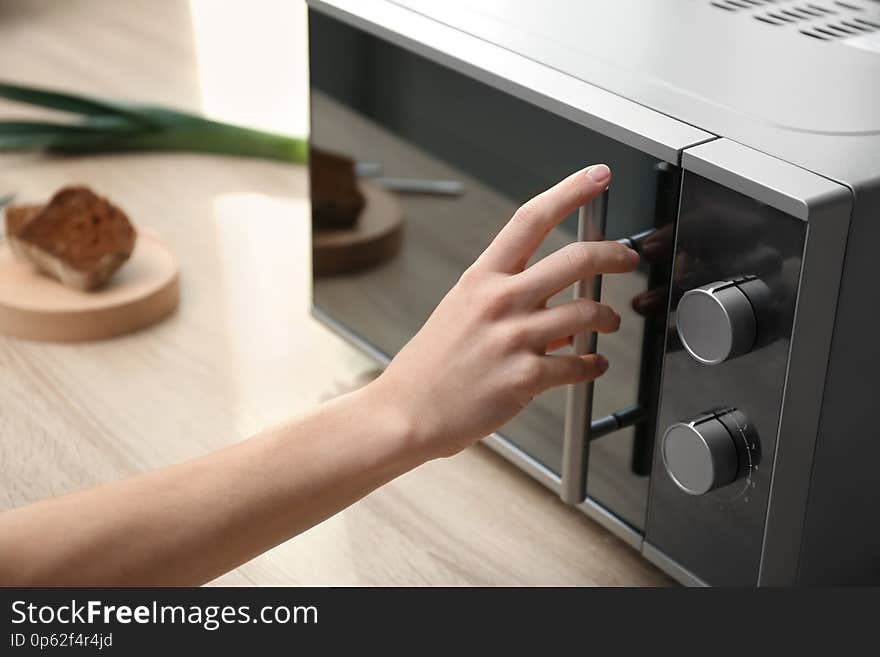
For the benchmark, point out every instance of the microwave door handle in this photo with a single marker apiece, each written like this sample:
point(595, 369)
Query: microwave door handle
point(579, 401)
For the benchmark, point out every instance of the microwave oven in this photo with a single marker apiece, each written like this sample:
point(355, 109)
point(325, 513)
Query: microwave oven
point(734, 440)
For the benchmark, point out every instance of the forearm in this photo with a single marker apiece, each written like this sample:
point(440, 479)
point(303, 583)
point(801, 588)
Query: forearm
point(480, 358)
point(189, 523)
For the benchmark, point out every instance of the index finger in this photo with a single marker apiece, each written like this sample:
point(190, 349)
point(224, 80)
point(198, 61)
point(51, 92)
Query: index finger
point(519, 239)
point(574, 262)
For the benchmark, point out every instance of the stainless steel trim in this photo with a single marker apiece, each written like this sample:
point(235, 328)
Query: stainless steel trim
point(670, 567)
point(523, 461)
point(805, 379)
point(826, 206)
point(609, 114)
point(764, 178)
point(579, 399)
point(612, 523)
point(349, 336)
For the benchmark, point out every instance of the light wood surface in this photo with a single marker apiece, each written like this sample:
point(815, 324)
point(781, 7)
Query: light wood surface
point(242, 350)
point(36, 307)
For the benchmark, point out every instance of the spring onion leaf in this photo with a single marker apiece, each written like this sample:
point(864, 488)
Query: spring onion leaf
point(107, 126)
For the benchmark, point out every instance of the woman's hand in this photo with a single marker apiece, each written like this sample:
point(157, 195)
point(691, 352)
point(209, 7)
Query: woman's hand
point(483, 353)
point(478, 360)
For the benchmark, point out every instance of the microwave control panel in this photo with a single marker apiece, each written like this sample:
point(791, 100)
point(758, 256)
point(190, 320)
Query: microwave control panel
point(732, 299)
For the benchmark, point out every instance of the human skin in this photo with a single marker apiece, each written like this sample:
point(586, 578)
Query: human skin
point(481, 357)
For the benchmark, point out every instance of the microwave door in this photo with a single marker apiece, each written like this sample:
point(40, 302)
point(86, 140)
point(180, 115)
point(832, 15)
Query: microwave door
point(620, 407)
point(396, 119)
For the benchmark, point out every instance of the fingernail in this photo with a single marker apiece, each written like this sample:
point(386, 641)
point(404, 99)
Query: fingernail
point(602, 362)
point(599, 173)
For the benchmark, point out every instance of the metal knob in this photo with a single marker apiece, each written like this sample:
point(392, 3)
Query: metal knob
point(701, 455)
point(718, 321)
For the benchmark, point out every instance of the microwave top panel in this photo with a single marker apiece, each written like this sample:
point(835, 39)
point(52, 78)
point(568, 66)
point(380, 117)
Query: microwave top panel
point(797, 80)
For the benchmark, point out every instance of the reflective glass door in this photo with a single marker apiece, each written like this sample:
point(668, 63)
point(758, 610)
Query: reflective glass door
point(405, 124)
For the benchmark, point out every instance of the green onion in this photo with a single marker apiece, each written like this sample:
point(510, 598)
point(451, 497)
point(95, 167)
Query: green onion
point(107, 126)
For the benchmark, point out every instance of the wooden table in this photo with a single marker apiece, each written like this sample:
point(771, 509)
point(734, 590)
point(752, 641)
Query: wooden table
point(242, 350)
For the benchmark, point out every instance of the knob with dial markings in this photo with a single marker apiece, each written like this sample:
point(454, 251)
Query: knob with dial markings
point(710, 451)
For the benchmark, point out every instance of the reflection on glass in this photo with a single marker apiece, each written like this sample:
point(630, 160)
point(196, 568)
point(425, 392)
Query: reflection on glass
point(398, 116)
point(620, 464)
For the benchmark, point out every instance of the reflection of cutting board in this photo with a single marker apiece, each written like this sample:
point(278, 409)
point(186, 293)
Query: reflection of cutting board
point(374, 239)
point(36, 307)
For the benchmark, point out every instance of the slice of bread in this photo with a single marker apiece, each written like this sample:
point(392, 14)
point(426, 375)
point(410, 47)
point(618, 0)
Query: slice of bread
point(79, 238)
point(17, 216)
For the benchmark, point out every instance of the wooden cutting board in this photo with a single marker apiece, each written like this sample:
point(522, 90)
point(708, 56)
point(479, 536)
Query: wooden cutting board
point(36, 307)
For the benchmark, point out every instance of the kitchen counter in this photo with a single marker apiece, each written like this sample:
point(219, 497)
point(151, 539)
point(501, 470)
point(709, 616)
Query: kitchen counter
point(242, 351)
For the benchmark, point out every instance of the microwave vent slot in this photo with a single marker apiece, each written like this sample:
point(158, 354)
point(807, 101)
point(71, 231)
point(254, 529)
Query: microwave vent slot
point(825, 21)
point(736, 5)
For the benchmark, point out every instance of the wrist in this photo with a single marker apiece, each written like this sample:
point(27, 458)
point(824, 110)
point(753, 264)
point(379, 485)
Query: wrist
point(390, 416)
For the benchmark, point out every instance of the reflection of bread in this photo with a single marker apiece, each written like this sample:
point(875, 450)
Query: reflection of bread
point(336, 200)
point(79, 237)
